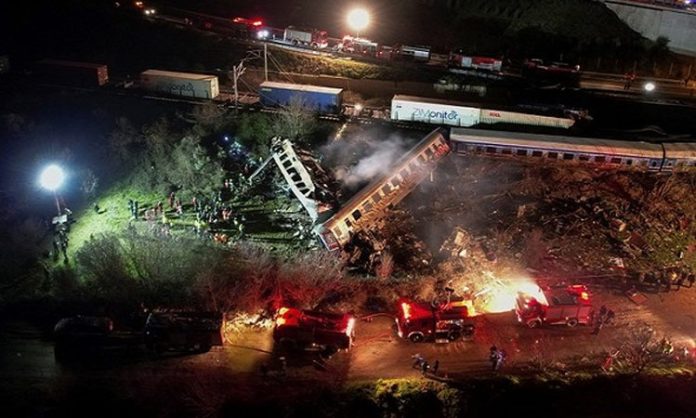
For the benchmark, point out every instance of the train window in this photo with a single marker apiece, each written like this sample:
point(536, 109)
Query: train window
point(479, 148)
point(506, 151)
point(629, 162)
point(600, 159)
point(386, 189)
point(491, 150)
point(356, 214)
point(421, 157)
point(376, 197)
point(395, 182)
point(367, 207)
point(584, 158)
point(348, 224)
point(568, 156)
point(552, 155)
point(522, 152)
point(537, 154)
point(615, 160)
point(653, 164)
point(429, 152)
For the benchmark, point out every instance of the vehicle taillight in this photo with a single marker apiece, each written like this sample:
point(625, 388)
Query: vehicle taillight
point(257, 23)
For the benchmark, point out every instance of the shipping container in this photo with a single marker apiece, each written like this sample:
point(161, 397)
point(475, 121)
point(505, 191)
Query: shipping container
point(201, 86)
point(439, 112)
point(489, 116)
point(318, 98)
point(309, 37)
point(442, 112)
point(82, 74)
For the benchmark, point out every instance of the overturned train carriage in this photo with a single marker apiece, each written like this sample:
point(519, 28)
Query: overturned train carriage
point(608, 153)
point(371, 203)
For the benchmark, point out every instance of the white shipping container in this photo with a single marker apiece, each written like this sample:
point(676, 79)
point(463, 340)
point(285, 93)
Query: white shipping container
point(202, 86)
point(418, 109)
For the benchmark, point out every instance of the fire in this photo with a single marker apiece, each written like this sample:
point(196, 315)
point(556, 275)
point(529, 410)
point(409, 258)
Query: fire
point(502, 298)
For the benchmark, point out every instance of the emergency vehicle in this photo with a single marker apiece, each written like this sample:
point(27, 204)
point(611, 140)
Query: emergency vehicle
point(305, 329)
point(419, 321)
point(568, 305)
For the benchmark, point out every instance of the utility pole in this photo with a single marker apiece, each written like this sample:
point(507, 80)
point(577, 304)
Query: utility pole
point(265, 61)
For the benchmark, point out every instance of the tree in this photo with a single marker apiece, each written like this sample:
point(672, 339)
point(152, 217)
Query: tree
point(125, 140)
point(296, 121)
point(192, 170)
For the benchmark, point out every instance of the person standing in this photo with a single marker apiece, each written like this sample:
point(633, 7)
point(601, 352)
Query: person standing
point(493, 357)
point(172, 195)
point(436, 366)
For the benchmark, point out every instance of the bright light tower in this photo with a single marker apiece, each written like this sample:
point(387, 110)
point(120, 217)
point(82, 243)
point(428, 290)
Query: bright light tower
point(649, 86)
point(358, 19)
point(51, 179)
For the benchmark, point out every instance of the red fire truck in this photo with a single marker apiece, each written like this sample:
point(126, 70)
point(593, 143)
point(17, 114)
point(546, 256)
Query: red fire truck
point(569, 305)
point(458, 59)
point(418, 321)
point(312, 330)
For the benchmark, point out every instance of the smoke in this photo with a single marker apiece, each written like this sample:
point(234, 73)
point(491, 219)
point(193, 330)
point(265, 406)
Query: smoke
point(361, 159)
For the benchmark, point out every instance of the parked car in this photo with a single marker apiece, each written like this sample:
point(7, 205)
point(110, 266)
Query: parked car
point(80, 335)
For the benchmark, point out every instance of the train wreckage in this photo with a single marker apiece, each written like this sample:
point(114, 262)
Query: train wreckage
point(362, 213)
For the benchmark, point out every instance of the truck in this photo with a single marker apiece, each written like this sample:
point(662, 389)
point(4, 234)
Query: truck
point(458, 59)
point(73, 73)
point(537, 71)
point(314, 38)
point(297, 329)
point(415, 53)
point(360, 46)
point(182, 331)
point(317, 98)
point(201, 86)
point(565, 305)
point(421, 321)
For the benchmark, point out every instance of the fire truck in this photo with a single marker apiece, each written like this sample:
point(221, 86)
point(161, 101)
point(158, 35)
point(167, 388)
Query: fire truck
point(420, 321)
point(458, 59)
point(316, 39)
point(311, 330)
point(566, 305)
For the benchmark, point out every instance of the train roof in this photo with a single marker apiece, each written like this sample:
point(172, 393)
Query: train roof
point(407, 98)
point(176, 74)
point(680, 150)
point(557, 143)
point(376, 184)
point(300, 87)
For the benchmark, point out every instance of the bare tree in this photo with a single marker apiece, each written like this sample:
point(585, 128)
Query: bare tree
point(295, 121)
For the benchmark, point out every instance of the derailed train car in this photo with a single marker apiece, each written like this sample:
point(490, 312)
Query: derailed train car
point(609, 153)
point(370, 203)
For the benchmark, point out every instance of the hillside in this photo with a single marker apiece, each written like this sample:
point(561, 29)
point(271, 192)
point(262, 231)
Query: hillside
point(484, 26)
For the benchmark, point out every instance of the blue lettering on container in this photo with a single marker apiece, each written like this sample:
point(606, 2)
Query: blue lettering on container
point(433, 114)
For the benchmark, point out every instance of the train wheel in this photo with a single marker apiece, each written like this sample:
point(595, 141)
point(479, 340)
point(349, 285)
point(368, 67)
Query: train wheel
point(573, 322)
point(416, 337)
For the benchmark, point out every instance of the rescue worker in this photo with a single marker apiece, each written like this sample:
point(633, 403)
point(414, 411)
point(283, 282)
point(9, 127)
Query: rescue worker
point(418, 360)
point(424, 367)
point(436, 366)
point(601, 318)
point(493, 358)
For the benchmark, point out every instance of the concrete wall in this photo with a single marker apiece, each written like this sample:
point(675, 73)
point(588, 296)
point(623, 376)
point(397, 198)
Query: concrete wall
point(654, 21)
